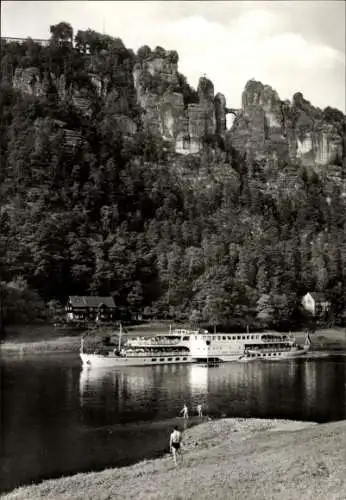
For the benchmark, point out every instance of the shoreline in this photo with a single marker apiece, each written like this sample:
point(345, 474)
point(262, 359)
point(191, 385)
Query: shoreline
point(226, 458)
point(323, 340)
point(64, 345)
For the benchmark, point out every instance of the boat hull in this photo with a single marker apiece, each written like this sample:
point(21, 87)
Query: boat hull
point(275, 355)
point(101, 361)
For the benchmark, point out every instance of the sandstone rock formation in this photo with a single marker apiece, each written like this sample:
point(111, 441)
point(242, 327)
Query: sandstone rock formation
point(29, 81)
point(156, 80)
point(220, 114)
point(268, 128)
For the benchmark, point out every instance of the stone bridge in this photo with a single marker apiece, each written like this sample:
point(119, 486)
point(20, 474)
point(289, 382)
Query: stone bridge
point(232, 111)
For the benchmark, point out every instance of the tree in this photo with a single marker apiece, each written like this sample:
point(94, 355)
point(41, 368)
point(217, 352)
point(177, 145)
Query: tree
point(19, 304)
point(144, 52)
point(159, 51)
point(265, 309)
point(173, 56)
point(135, 298)
point(61, 33)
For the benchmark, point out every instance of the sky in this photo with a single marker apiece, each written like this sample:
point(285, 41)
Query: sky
point(293, 46)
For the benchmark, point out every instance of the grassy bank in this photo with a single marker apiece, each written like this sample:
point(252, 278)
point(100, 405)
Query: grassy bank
point(30, 339)
point(60, 344)
point(45, 338)
point(325, 339)
point(231, 458)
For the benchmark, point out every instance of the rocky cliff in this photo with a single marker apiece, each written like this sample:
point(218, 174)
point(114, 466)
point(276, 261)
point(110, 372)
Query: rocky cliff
point(166, 111)
point(266, 129)
point(287, 132)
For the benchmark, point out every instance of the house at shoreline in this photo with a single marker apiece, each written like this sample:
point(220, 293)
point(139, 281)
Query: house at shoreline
point(316, 303)
point(93, 308)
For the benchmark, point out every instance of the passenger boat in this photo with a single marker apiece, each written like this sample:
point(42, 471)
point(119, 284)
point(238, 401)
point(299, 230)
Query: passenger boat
point(170, 348)
point(213, 348)
point(274, 349)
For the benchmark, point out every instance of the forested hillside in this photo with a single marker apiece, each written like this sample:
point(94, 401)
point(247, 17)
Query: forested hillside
point(92, 202)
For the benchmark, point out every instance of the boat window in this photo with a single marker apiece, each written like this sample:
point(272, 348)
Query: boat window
point(153, 359)
point(224, 338)
point(184, 359)
point(186, 338)
point(162, 359)
point(169, 359)
point(219, 338)
point(177, 359)
point(243, 337)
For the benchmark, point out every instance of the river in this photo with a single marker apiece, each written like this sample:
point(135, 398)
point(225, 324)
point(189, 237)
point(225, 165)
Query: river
point(58, 419)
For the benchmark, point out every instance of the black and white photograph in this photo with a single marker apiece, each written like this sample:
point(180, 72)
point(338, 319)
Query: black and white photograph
point(173, 250)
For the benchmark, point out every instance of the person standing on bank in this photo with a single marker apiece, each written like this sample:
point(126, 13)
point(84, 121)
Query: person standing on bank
point(175, 444)
point(199, 410)
point(185, 411)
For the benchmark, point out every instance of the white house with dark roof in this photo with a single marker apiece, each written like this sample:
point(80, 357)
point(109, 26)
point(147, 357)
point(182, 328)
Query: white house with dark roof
point(92, 308)
point(315, 303)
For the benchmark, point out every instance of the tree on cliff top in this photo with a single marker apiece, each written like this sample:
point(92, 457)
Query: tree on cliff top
point(61, 32)
point(92, 42)
point(144, 52)
point(159, 51)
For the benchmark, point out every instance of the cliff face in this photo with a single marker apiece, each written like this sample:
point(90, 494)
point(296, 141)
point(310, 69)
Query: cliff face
point(165, 110)
point(296, 132)
point(31, 81)
point(266, 128)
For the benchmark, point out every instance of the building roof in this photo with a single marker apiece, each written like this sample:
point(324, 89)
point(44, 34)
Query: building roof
point(318, 296)
point(92, 301)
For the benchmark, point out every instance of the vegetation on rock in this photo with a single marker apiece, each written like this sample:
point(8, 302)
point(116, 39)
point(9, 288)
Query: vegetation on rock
point(109, 212)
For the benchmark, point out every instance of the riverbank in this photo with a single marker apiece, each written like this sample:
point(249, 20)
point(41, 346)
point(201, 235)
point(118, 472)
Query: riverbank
point(231, 458)
point(47, 339)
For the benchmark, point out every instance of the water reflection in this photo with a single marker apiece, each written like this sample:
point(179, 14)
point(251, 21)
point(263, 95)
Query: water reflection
point(198, 379)
point(58, 418)
point(133, 393)
point(125, 385)
point(292, 389)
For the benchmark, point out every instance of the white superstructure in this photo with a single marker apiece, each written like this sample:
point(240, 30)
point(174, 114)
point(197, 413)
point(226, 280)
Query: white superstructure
point(172, 338)
point(217, 347)
point(169, 348)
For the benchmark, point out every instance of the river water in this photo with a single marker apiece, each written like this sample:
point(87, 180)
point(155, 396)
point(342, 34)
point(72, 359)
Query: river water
point(58, 419)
